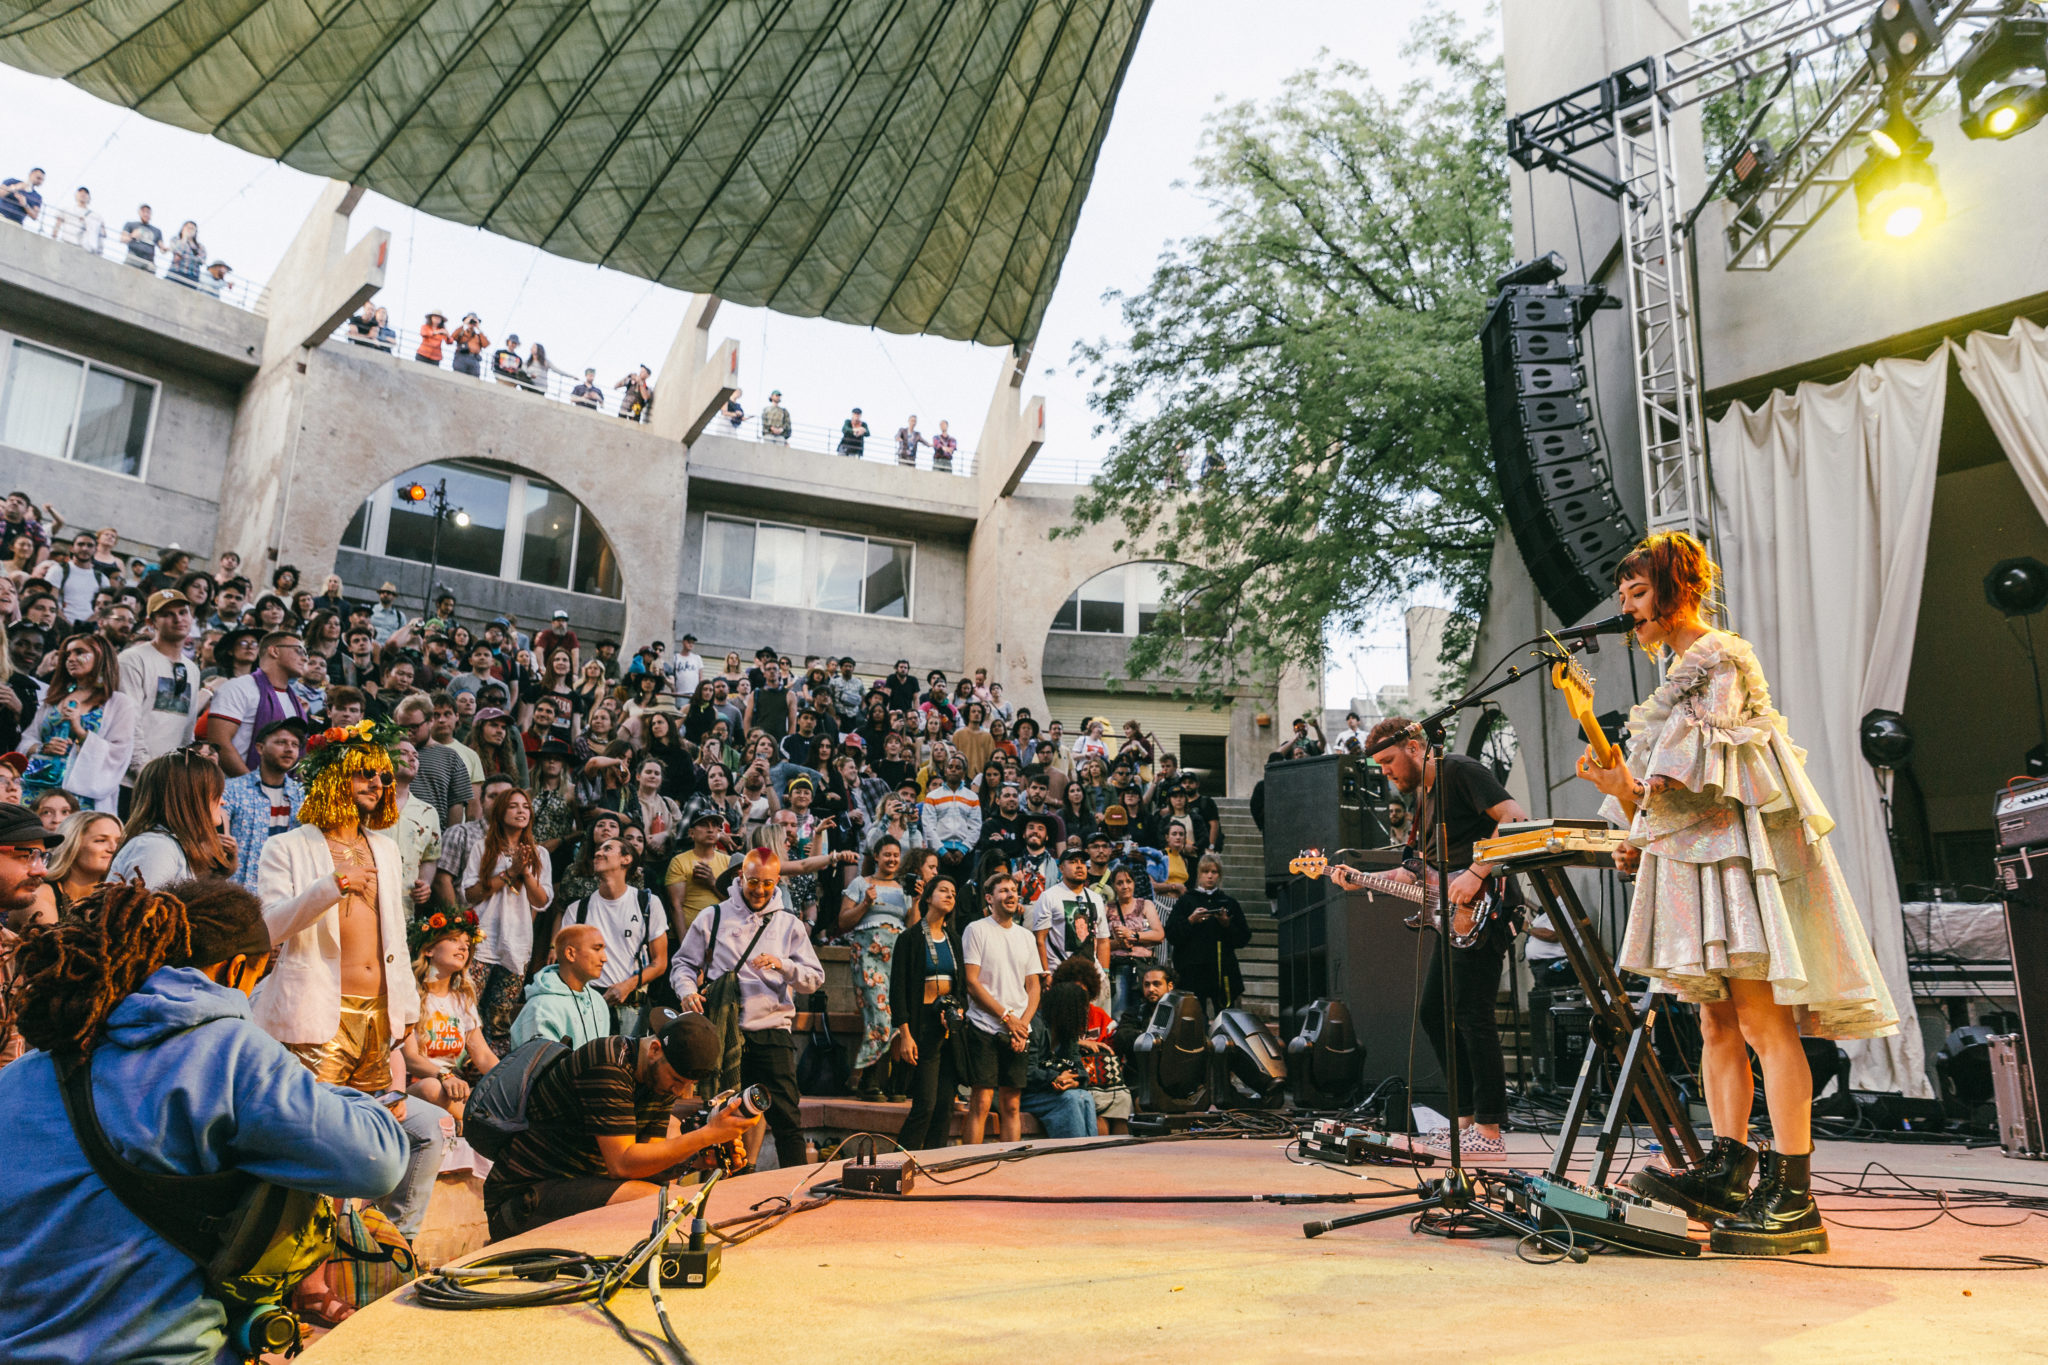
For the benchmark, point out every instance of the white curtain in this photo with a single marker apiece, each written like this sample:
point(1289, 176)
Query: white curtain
point(1823, 499)
point(2008, 376)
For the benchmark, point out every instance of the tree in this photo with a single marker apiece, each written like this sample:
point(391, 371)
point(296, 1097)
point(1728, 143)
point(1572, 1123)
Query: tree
point(1298, 412)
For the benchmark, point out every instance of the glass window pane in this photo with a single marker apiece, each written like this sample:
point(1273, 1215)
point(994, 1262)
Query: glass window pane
point(842, 563)
point(484, 497)
point(1107, 586)
point(1102, 618)
point(39, 398)
point(888, 585)
point(113, 423)
point(550, 531)
point(1149, 591)
point(357, 534)
point(597, 568)
point(728, 558)
point(1069, 615)
point(779, 565)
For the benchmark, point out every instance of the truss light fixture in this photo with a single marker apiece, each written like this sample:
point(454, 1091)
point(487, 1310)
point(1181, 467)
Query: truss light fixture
point(2003, 78)
point(1898, 196)
point(1900, 35)
point(1897, 135)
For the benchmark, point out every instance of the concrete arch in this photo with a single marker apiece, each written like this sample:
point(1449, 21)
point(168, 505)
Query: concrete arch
point(354, 434)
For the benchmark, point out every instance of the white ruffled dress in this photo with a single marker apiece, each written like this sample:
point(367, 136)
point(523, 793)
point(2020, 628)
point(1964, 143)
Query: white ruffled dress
point(1737, 879)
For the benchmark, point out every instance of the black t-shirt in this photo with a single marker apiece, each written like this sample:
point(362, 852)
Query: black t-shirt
point(903, 692)
point(589, 1094)
point(1470, 790)
point(771, 710)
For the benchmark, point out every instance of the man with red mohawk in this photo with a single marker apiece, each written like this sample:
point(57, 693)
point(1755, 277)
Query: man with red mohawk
point(748, 933)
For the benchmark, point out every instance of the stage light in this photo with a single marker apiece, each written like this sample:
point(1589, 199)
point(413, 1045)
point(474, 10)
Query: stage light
point(1249, 1066)
point(1886, 739)
point(1897, 135)
point(1170, 1059)
point(413, 492)
point(2017, 586)
point(2011, 54)
point(1897, 197)
point(1325, 1061)
point(1900, 35)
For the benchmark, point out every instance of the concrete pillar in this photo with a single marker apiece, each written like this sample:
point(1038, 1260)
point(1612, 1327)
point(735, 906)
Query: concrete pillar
point(320, 281)
point(695, 380)
point(1010, 557)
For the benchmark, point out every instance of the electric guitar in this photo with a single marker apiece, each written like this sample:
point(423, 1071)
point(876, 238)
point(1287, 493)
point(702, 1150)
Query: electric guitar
point(1468, 922)
point(1571, 679)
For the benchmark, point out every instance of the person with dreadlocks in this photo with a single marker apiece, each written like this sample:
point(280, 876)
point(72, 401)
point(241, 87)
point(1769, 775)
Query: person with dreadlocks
point(333, 895)
point(148, 986)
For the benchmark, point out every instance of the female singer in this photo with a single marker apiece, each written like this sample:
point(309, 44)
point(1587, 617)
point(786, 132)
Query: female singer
point(1739, 904)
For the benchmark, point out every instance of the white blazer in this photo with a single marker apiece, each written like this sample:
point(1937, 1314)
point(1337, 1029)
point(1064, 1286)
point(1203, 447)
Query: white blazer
point(300, 1001)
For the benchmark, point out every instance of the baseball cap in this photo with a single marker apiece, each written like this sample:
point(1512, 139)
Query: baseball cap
point(291, 723)
point(691, 638)
point(1075, 854)
point(692, 1047)
point(488, 713)
point(561, 615)
point(167, 597)
point(707, 816)
point(20, 825)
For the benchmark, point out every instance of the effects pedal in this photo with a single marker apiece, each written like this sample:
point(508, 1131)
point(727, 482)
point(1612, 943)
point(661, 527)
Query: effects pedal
point(1621, 1217)
point(1343, 1144)
point(867, 1176)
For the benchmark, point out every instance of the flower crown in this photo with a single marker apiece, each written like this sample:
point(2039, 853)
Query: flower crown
point(325, 748)
point(445, 922)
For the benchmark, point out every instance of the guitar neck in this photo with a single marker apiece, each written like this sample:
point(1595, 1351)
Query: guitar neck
point(1392, 886)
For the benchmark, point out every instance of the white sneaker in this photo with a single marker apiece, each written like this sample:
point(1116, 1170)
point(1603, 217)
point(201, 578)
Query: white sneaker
point(1473, 1145)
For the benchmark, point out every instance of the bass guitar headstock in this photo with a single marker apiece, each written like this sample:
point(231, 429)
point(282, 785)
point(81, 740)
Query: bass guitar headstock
point(1311, 864)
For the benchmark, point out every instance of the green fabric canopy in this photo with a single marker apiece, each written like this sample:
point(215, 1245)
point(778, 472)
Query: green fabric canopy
point(914, 165)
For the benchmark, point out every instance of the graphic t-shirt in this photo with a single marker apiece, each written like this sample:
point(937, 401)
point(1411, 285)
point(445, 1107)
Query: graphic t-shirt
point(445, 1020)
point(1076, 919)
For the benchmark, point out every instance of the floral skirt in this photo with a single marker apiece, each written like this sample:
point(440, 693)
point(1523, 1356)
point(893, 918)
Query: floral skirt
point(1783, 915)
point(874, 949)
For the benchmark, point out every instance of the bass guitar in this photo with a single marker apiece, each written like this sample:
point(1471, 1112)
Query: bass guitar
point(1469, 923)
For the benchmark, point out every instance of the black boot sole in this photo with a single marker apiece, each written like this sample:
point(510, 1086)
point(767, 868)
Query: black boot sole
point(1807, 1241)
point(1651, 1185)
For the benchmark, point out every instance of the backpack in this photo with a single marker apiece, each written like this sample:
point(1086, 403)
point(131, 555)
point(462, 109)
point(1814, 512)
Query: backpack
point(496, 1110)
point(722, 998)
point(252, 1240)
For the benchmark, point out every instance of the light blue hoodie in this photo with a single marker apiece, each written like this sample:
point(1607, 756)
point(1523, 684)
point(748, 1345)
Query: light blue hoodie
point(184, 1083)
point(552, 1010)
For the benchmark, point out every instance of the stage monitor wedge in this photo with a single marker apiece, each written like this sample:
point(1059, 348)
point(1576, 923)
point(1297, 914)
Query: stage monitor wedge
point(1555, 480)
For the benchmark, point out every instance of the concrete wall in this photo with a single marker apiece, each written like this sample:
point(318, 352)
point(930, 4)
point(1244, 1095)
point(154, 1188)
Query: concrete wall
point(366, 417)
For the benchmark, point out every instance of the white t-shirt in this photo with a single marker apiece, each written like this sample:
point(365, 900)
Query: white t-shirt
point(75, 587)
point(446, 1021)
point(507, 917)
point(164, 692)
point(1006, 958)
point(1539, 950)
point(235, 699)
point(1056, 907)
point(619, 922)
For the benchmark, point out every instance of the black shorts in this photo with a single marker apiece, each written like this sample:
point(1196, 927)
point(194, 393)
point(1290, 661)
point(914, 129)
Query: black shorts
point(545, 1201)
point(992, 1064)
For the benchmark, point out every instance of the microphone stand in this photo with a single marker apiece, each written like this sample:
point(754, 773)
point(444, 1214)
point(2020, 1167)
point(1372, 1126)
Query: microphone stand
point(1455, 1197)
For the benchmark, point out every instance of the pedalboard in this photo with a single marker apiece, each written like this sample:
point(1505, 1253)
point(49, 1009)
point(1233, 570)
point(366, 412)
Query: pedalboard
point(1614, 1215)
point(1344, 1144)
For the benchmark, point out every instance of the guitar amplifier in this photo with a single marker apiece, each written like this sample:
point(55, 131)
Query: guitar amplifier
point(2021, 813)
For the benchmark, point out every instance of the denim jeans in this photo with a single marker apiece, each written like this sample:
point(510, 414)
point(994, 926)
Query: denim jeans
point(427, 1129)
point(1063, 1113)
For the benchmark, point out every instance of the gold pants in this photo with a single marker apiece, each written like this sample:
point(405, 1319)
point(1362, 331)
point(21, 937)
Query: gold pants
point(359, 1053)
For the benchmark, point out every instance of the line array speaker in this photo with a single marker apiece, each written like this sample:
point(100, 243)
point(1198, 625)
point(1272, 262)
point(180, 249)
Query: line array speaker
point(1554, 477)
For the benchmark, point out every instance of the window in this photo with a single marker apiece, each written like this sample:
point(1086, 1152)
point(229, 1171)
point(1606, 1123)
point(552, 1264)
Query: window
point(68, 408)
point(1125, 600)
point(790, 566)
point(512, 525)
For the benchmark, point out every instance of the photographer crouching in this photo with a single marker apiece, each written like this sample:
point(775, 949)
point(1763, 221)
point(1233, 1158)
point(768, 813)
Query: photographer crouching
point(598, 1126)
point(144, 996)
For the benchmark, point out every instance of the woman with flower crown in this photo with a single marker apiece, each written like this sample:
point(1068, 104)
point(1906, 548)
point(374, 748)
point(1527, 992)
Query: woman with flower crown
point(1739, 906)
point(447, 1051)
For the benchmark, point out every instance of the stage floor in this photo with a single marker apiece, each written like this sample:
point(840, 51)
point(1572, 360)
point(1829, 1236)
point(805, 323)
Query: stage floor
point(872, 1281)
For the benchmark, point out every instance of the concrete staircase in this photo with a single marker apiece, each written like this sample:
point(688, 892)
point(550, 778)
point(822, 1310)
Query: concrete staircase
point(1244, 877)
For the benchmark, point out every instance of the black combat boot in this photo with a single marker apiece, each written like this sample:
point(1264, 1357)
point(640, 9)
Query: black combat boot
point(1713, 1189)
point(1780, 1217)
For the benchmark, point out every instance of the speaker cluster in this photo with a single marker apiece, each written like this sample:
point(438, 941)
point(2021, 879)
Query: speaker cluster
point(1555, 481)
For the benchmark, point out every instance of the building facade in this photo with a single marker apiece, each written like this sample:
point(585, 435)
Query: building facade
point(129, 401)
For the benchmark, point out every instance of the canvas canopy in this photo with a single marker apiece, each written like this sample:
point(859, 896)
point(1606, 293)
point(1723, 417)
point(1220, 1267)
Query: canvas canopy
point(915, 165)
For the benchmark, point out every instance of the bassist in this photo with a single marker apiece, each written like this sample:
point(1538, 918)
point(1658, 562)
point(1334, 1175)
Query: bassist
point(1475, 805)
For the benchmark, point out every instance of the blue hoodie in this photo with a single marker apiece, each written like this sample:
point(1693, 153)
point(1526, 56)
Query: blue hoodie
point(183, 1082)
point(552, 1010)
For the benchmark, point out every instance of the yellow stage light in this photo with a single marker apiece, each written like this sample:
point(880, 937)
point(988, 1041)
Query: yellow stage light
point(1896, 198)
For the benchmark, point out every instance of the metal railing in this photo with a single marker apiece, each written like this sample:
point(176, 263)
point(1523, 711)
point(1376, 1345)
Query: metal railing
point(64, 223)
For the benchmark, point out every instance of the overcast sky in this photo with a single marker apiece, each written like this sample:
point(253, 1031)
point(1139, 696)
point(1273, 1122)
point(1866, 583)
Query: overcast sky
point(1193, 55)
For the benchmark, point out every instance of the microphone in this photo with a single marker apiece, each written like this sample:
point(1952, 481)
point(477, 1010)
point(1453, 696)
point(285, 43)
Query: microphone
point(1621, 623)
